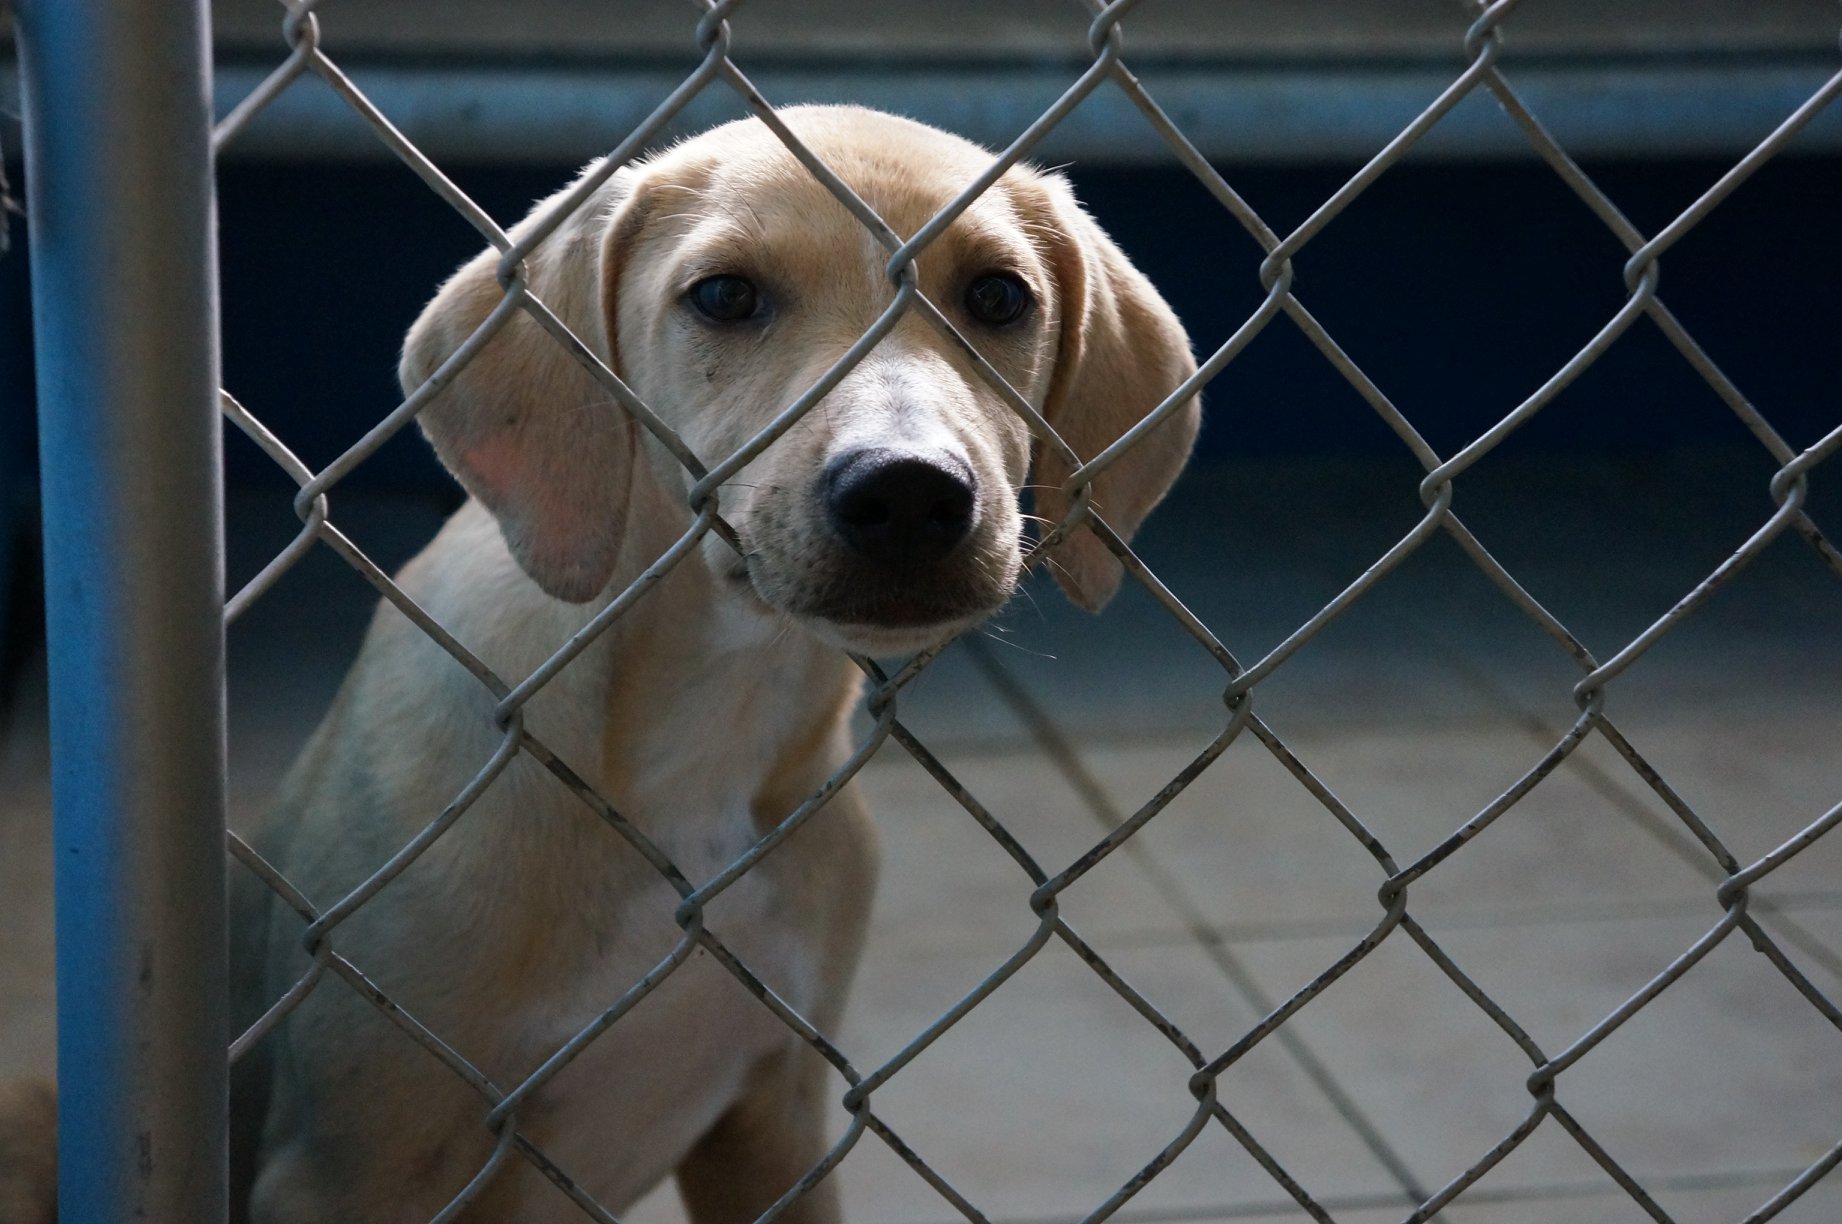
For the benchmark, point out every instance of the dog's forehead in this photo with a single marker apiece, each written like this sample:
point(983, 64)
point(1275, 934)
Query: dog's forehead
point(905, 171)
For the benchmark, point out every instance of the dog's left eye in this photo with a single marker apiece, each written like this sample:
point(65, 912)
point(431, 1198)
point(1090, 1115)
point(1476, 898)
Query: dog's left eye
point(997, 298)
point(725, 299)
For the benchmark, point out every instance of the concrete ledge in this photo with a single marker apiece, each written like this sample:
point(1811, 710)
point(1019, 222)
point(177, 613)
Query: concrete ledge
point(1303, 113)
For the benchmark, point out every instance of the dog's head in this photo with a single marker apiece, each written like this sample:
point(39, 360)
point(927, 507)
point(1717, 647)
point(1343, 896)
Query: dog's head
point(721, 281)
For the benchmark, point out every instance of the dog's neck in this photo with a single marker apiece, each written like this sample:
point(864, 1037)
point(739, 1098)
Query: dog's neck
point(692, 658)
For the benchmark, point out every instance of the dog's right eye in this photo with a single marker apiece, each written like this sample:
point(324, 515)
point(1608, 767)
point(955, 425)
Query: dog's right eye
point(725, 299)
point(997, 299)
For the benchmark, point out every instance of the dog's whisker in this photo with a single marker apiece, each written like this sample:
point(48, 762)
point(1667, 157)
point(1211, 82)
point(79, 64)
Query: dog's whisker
point(1017, 646)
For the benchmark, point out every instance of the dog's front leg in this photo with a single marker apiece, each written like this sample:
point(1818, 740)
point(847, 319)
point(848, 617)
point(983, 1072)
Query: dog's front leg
point(769, 1139)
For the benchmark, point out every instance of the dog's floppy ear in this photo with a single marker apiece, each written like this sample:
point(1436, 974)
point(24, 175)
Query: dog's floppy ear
point(523, 426)
point(1121, 352)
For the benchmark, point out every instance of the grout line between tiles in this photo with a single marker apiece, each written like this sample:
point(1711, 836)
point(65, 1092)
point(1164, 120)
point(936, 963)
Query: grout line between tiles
point(1495, 918)
point(1477, 1196)
point(1100, 805)
point(1630, 803)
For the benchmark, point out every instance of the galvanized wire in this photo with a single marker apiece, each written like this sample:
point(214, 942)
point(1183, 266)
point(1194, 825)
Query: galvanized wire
point(1041, 885)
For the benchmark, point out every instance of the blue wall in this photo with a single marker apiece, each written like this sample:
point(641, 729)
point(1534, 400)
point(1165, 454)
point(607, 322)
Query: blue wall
point(1458, 287)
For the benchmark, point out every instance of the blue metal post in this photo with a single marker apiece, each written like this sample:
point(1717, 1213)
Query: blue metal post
point(124, 267)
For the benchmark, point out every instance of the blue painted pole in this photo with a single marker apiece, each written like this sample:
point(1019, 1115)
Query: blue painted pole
point(124, 267)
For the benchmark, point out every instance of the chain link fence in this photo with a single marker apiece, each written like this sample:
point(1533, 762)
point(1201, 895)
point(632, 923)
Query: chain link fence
point(1041, 884)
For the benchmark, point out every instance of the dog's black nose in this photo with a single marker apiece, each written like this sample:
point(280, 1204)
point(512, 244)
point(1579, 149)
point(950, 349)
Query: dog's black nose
point(896, 508)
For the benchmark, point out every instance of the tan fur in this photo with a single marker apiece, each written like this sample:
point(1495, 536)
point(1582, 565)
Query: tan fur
point(705, 715)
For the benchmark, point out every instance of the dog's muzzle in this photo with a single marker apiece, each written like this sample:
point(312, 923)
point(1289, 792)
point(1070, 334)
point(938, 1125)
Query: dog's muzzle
point(904, 528)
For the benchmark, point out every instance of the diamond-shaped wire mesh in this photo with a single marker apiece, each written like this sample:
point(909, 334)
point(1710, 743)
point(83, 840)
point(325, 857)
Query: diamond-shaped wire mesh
point(857, 1085)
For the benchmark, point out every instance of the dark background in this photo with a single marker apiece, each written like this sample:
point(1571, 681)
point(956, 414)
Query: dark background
point(1458, 287)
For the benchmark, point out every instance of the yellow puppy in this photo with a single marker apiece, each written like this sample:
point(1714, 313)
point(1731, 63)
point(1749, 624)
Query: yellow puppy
point(720, 280)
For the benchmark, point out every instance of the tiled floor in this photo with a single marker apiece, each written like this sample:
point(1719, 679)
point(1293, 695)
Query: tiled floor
point(1432, 697)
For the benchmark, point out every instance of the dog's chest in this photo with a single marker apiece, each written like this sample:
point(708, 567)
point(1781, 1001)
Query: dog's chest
point(541, 943)
point(637, 1095)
